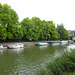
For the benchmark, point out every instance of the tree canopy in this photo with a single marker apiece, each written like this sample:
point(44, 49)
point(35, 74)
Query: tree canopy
point(34, 29)
point(64, 34)
point(8, 20)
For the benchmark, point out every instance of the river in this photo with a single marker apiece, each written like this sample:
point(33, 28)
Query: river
point(28, 60)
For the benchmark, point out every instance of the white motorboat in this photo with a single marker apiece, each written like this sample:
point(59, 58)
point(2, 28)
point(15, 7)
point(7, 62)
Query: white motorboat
point(16, 45)
point(3, 46)
point(41, 44)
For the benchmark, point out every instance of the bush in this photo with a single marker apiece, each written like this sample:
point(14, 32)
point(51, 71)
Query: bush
point(64, 65)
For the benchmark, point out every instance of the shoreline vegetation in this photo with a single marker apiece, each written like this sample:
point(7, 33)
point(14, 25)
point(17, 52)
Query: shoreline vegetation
point(63, 65)
point(28, 29)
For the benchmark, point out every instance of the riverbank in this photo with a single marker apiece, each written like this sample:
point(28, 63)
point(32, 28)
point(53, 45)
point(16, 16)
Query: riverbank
point(63, 65)
point(33, 43)
point(25, 43)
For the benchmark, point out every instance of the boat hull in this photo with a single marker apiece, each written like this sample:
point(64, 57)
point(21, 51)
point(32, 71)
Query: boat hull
point(15, 46)
point(41, 44)
point(12, 47)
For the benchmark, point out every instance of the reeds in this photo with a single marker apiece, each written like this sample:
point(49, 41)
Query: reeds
point(63, 65)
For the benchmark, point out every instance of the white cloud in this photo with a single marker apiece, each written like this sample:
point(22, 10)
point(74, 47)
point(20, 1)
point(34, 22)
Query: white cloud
point(59, 11)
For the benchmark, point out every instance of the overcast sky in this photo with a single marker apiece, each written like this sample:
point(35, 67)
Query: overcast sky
point(59, 11)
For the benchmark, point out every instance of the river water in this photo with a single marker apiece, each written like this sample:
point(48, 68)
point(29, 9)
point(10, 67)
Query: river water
point(28, 60)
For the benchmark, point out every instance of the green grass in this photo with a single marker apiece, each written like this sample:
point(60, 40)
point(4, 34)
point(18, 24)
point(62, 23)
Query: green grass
point(63, 65)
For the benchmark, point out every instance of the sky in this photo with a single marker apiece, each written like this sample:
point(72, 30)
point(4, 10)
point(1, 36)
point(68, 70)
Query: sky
point(58, 11)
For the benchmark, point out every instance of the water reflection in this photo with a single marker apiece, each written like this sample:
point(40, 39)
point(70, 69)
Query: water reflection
point(27, 60)
point(19, 50)
point(43, 47)
point(1, 51)
point(58, 53)
point(71, 46)
point(55, 44)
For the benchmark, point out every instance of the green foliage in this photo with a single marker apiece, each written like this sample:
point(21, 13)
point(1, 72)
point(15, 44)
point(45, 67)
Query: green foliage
point(37, 21)
point(64, 34)
point(15, 32)
point(9, 16)
point(63, 65)
point(54, 35)
point(9, 35)
point(34, 28)
point(3, 33)
point(53, 32)
point(46, 29)
point(37, 27)
point(28, 29)
point(0, 8)
point(8, 19)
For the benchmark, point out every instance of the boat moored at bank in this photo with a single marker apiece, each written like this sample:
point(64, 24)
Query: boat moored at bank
point(16, 45)
point(41, 44)
point(3, 46)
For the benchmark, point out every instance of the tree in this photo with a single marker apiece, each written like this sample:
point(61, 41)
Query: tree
point(9, 18)
point(38, 27)
point(51, 29)
point(15, 32)
point(43, 34)
point(64, 34)
point(28, 27)
point(0, 8)
point(37, 21)
point(3, 34)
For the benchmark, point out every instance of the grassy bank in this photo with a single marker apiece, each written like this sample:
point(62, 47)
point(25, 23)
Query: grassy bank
point(63, 65)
